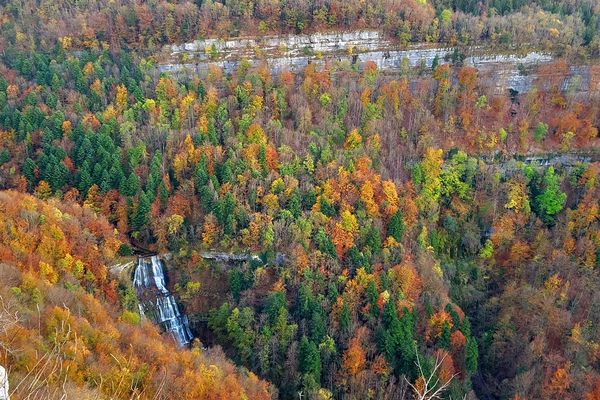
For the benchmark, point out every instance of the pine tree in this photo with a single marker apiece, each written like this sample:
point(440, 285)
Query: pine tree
point(373, 240)
point(29, 169)
point(345, 320)
point(236, 282)
point(4, 156)
point(305, 301)
point(294, 204)
point(310, 359)
point(105, 182)
point(445, 335)
point(201, 174)
point(400, 337)
point(140, 216)
point(373, 295)
point(85, 179)
point(318, 330)
point(325, 244)
point(471, 355)
point(57, 174)
point(201, 91)
point(130, 186)
point(395, 227)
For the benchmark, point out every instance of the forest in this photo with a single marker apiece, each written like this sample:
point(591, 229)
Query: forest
point(415, 234)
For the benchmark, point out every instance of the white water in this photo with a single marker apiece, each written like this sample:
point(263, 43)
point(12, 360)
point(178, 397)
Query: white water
point(149, 281)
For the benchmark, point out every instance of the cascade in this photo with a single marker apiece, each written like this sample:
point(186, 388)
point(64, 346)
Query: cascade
point(156, 302)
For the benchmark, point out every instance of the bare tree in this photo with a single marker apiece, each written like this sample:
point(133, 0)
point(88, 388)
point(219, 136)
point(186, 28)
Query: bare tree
point(432, 387)
point(9, 317)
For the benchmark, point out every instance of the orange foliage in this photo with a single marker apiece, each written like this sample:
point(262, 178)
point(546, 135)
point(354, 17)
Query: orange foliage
point(407, 279)
point(594, 394)
point(447, 369)
point(47, 246)
point(560, 381)
point(342, 239)
point(458, 341)
point(436, 323)
point(354, 358)
point(380, 365)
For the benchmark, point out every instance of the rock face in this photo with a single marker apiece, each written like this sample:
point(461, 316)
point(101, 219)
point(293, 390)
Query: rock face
point(156, 302)
point(3, 384)
point(294, 52)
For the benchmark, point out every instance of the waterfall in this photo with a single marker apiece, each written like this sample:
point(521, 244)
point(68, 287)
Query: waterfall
point(3, 384)
point(157, 302)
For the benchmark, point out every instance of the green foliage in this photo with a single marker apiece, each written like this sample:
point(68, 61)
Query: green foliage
point(471, 355)
point(503, 135)
point(128, 297)
point(309, 359)
point(487, 251)
point(131, 318)
point(139, 219)
point(282, 319)
point(395, 227)
point(124, 250)
point(345, 319)
point(4, 156)
point(540, 132)
point(239, 330)
point(552, 200)
point(446, 16)
point(325, 100)
point(481, 102)
point(396, 341)
point(325, 244)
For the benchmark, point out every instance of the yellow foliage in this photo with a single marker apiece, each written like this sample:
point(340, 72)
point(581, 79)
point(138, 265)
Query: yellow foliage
point(66, 42)
point(96, 87)
point(391, 197)
point(66, 127)
point(121, 97)
point(349, 222)
point(518, 198)
point(203, 124)
point(88, 68)
point(209, 231)
point(367, 196)
point(353, 140)
point(436, 324)
point(109, 113)
point(48, 273)
point(188, 145)
point(271, 202)
point(256, 134)
point(174, 223)
point(43, 190)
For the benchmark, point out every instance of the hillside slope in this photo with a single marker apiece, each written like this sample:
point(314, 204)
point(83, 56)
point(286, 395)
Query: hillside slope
point(62, 334)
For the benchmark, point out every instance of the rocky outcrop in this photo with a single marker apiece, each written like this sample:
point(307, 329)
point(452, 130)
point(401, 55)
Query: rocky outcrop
point(294, 52)
point(228, 257)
